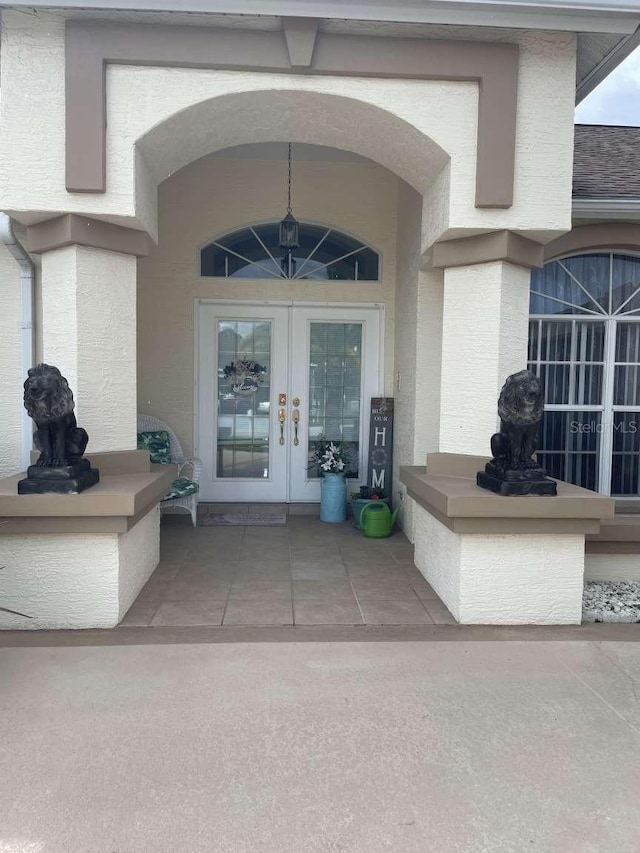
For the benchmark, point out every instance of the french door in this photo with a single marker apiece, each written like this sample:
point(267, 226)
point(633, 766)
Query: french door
point(273, 381)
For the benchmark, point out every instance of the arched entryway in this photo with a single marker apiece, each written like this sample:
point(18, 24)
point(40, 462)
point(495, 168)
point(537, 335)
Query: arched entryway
point(215, 294)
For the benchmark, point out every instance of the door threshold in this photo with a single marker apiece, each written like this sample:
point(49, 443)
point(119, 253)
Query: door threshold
point(214, 507)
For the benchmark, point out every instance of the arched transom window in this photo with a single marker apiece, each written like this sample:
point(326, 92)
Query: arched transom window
point(584, 343)
point(324, 254)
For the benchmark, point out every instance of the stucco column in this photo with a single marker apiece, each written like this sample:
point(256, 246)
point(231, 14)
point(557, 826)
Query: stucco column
point(89, 332)
point(484, 339)
point(10, 366)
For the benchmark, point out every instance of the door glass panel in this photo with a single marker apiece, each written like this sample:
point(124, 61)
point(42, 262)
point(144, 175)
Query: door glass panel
point(244, 393)
point(335, 387)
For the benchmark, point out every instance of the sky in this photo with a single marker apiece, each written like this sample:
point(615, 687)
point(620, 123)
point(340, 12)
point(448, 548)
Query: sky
point(617, 99)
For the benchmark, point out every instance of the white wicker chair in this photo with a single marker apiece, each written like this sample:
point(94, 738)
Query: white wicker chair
point(191, 468)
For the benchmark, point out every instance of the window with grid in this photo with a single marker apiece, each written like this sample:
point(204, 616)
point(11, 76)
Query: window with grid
point(323, 254)
point(584, 344)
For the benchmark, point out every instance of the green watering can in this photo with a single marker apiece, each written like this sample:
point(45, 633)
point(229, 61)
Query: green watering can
point(376, 520)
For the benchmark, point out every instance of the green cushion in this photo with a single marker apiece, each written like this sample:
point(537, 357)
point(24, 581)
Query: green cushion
point(181, 488)
point(157, 443)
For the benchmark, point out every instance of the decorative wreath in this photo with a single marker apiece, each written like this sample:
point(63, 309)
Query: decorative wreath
point(244, 377)
point(379, 456)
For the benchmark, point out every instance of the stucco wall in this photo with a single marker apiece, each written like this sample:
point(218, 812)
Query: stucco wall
point(418, 340)
point(62, 581)
point(484, 340)
point(507, 579)
point(214, 196)
point(404, 392)
point(446, 112)
point(89, 332)
point(428, 364)
point(75, 580)
point(139, 99)
point(10, 365)
point(544, 140)
point(138, 556)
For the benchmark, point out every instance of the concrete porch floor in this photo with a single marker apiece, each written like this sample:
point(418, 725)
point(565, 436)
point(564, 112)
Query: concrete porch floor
point(303, 573)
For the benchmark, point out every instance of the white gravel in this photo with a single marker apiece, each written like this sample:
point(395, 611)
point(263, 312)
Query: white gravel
point(611, 601)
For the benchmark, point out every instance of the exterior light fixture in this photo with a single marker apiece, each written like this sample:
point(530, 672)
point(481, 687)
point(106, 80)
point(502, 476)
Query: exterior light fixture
point(289, 232)
point(289, 236)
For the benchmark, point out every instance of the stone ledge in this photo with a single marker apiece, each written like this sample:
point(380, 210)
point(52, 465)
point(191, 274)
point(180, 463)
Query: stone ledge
point(462, 506)
point(618, 535)
point(114, 505)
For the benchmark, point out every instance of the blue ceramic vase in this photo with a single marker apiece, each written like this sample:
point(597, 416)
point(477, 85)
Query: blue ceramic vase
point(333, 498)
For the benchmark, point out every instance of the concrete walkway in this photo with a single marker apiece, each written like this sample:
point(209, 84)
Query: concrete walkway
point(332, 747)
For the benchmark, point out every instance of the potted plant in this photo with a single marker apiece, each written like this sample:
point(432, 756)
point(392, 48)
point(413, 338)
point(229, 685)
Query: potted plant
point(362, 497)
point(331, 458)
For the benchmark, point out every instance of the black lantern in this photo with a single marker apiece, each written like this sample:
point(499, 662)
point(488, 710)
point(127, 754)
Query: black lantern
point(289, 232)
point(289, 238)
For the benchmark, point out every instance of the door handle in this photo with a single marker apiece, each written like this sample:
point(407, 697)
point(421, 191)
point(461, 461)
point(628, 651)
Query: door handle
point(295, 417)
point(282, 417)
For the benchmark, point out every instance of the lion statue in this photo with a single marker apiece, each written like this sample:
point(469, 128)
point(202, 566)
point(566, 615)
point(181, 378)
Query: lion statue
point(49, 401)
point(520, 407)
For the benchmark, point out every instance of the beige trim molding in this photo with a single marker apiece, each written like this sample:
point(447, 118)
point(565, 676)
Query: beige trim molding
point(605, 235)
point(97, 524)
point(486, 248)
point(621, 528)
point(117, 495)
point(72, 229)
point(593, 545)
point(458, 503)
point(301, 34)
point(525, 526)
point(91, 46)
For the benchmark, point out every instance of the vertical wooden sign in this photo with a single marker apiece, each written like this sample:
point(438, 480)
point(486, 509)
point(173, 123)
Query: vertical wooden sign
point(381, 445)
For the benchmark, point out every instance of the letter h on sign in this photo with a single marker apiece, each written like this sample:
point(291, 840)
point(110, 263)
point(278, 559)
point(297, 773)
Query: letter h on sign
point(381, 445)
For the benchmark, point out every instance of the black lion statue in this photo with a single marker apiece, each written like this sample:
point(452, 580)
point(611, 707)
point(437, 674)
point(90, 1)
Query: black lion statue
point(513, 470)
point(49, 401)
point(520, 408)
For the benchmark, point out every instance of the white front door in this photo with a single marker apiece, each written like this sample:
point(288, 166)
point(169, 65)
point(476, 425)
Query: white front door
point(272, 381)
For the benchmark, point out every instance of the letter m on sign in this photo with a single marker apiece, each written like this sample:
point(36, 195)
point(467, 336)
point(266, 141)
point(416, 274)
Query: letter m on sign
point(377, 478)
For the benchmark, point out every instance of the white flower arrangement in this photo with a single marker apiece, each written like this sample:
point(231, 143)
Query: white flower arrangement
point(331, 460)
point(331, 457)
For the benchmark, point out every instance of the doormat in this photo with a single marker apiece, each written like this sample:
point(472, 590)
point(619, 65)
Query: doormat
point(231, 519)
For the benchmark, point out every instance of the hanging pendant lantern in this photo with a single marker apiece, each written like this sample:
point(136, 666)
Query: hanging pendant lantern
point(289, 232)
point(289, 237)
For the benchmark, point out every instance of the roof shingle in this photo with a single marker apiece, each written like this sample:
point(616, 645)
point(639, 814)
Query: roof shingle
point(606, 161)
